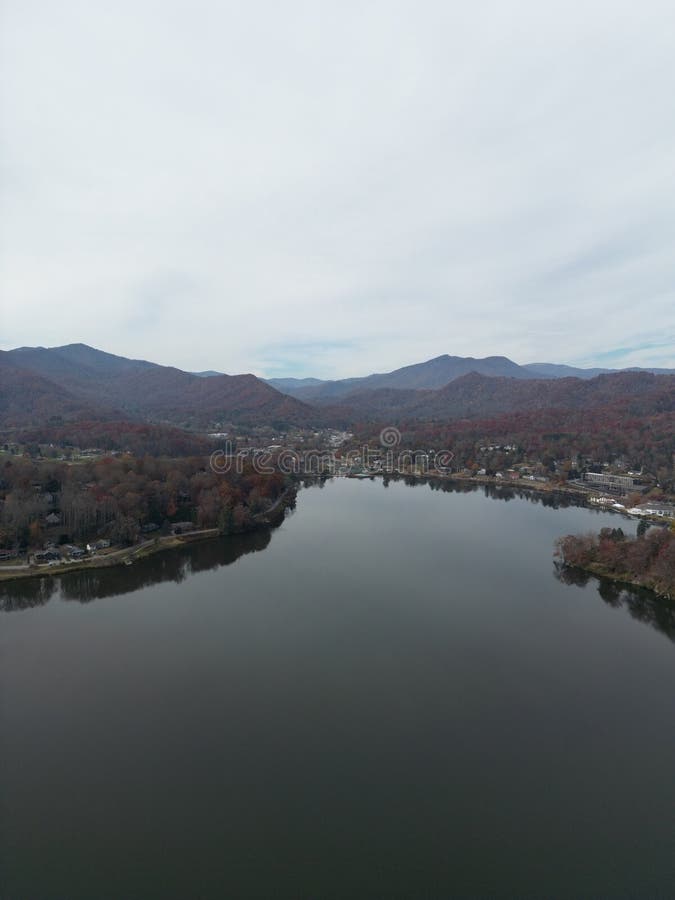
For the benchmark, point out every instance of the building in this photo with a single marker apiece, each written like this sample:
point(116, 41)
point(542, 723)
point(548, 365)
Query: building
point(98, 545)
point(613, 483)
point(663, 510)
point(43, 556)
point(182, 527)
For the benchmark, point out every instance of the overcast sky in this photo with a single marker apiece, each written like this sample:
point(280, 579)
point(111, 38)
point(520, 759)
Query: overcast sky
point(335, 188)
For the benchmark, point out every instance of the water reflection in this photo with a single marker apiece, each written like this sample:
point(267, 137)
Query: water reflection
point(642, 605)
point(25, 593)
point(168, 565)
point(505, 492)
point(178, 564)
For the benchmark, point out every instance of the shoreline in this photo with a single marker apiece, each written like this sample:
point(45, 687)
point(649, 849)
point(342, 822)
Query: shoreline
point(127, 555)
point(520, 484)
point(602, 574)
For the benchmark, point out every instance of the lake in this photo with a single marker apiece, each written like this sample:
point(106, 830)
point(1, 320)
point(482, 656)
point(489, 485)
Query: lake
point(391, 695)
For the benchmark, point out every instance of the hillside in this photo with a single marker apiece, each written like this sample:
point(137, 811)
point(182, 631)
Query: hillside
point(77, 381)
point(175, 396)
point(75, 361)
point(27, 398)
point(477, 396)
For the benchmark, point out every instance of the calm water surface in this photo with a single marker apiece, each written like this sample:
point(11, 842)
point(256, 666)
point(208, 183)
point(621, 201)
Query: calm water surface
point(391, 695)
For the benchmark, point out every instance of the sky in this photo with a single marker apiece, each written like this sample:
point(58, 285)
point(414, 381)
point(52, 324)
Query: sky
point(336, 188)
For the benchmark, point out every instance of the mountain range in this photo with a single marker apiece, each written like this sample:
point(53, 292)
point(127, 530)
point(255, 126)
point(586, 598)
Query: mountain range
point(76, 383)
point(432, 374)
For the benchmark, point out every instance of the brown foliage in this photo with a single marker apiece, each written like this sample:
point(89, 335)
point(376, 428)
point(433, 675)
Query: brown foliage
point(648, 560)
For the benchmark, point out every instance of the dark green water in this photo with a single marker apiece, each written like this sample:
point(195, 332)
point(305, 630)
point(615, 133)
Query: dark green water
point(391, 695)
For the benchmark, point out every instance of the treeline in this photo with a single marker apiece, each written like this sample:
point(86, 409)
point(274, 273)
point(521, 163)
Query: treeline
point(139, 438)
point(115, 497)
point(647, 560)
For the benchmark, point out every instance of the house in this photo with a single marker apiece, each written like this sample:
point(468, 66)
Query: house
point(654, 508)
point(44, 556)
point(52, 519)
point(182, 527)
point(148, 527)
point(98, 545)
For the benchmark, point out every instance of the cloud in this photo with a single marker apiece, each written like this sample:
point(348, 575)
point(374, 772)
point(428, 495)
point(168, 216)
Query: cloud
point(334, 189)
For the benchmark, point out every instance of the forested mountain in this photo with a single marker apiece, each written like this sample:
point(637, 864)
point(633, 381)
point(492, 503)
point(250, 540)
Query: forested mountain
point(77, 381)
point(172, 395)
point(27, 398)
point(74, 361)
point(434, 373)
point(477, 396)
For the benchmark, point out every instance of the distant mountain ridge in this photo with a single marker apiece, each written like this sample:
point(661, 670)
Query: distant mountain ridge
point(557, 370)
point(432, 374)
point(552, 370)
point(293, 383)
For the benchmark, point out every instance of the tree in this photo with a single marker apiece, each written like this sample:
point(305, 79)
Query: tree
point(226, 519)
point(124, 530)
